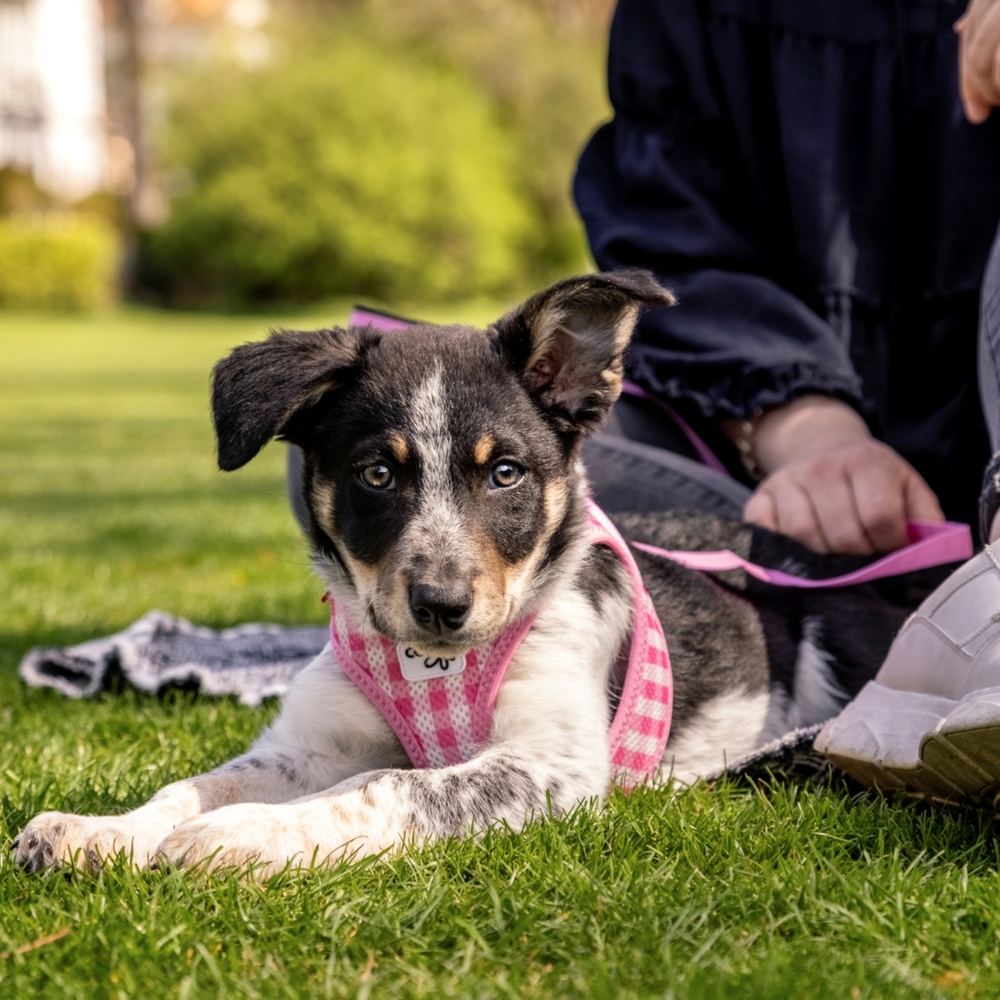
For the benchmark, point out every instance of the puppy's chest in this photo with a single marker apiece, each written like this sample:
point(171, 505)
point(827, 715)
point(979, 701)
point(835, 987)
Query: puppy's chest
point(559, 659)
point(439, 706)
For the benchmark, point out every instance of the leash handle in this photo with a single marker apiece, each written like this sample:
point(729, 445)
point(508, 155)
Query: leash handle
point(932, 543)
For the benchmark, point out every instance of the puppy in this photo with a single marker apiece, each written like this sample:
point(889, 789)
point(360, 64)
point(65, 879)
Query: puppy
point(447, 503)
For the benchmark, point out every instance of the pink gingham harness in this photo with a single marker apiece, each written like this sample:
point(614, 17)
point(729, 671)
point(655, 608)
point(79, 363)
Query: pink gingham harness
point(442, 709)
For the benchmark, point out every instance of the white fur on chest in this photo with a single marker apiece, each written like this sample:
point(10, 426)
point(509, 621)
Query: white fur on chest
point(557, 683)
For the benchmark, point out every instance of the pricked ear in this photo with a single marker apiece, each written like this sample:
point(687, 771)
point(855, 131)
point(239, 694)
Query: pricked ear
point(567, 342)
point(259, 387)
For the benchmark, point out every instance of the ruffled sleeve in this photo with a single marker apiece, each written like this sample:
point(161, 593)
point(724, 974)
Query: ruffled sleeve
point(664, 186)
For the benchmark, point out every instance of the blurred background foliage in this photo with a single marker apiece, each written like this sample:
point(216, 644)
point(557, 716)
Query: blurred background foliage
point(54, 258)
point(64, 262)
point(266, 152)
point(415, 150)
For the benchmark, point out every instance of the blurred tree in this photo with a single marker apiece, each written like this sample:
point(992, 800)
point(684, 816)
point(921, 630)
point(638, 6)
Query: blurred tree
point(417, 149)
point(126, 41)
point(56, 262)
point(541, 62)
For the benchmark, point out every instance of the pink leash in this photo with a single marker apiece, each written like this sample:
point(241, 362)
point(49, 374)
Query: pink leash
point(362, 316)
point(931, 544)
point(707, 456)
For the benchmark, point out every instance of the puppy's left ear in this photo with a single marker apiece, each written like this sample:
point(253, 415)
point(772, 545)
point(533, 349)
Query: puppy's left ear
point(567, 342)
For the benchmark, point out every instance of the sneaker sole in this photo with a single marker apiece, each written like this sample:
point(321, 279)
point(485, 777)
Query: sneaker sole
point(930, 746)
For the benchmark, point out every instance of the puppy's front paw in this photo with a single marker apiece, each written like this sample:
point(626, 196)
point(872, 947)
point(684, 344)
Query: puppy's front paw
point(234, 836)
point(53, 839)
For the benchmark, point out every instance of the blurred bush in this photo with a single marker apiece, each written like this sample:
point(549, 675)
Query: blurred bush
point(403, 150)
point(57, 261)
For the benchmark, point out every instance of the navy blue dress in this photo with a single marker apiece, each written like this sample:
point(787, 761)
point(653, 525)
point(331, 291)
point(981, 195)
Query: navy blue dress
point(801, 174)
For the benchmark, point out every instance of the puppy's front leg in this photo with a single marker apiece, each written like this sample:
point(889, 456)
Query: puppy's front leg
point(548, 750)
point(380, 810)
point(326, 732)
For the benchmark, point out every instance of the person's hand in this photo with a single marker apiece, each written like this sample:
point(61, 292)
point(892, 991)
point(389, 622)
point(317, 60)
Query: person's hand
point(979, 59)
point(830, 485)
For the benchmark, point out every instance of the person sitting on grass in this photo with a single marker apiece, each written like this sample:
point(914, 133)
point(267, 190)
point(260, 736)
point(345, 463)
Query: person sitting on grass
point(803, 178)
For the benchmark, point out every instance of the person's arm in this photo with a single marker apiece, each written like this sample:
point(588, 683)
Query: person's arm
point(665, 186)
point(829, 483)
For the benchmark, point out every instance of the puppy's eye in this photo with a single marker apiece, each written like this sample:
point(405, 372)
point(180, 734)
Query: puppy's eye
point(505, 475)
point(378, 477)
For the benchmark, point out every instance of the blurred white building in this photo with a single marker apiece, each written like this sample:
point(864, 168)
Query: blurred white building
point(52, 102)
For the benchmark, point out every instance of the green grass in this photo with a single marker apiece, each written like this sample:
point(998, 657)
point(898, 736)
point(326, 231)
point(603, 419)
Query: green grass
point(110, 505)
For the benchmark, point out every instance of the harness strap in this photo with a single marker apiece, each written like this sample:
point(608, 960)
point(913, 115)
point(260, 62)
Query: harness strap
point(641, 726)
point(932, 543)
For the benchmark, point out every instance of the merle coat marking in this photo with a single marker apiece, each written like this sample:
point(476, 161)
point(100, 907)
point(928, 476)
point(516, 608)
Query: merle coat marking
point(446, 498)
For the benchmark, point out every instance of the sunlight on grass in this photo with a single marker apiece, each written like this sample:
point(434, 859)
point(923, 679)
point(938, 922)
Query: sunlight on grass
point(110, 504)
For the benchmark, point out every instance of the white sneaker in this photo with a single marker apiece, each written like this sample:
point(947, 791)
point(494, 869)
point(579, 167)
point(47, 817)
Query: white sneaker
point(930, 721)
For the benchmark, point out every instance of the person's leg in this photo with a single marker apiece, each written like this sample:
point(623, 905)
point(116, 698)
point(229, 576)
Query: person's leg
point(930, 720)
point(989, 388)
point(630, 476)
point(640, 420)
point(989, 345)
point(643, 462)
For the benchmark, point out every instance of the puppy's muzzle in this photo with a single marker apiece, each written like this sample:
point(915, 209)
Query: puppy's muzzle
point(440, 610)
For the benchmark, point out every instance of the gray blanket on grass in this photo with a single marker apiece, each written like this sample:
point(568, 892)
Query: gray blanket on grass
point(158, 652)
point(256, 661)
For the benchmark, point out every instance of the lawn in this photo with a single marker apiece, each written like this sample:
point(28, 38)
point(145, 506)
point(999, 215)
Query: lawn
point(110, 505)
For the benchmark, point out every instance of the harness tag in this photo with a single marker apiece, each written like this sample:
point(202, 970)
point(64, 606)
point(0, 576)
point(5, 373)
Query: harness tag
point(417, 666)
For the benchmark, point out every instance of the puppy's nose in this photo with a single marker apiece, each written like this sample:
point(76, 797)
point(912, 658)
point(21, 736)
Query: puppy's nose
point(440, 609)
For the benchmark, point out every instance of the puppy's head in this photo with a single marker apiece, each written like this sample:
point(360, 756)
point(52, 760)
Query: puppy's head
point(440, 463)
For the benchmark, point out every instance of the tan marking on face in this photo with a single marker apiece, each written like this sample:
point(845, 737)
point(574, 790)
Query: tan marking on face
point(484, 448)
point(365, 577)
point(489, 604)
point(399, 448)
point(322, 495)
point(556, 498)
point(518, 577)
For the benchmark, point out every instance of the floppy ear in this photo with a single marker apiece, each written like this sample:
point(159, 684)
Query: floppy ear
point(259, 387)
point(567, 342)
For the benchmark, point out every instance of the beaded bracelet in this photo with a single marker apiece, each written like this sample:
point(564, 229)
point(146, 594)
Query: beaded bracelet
point(746, 446)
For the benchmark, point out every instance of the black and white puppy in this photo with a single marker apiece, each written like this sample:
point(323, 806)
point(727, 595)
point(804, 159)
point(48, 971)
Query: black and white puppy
point(445, 490)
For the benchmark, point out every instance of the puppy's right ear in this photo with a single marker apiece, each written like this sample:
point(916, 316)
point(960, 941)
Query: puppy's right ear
point(566, 343)
point(259, 387)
